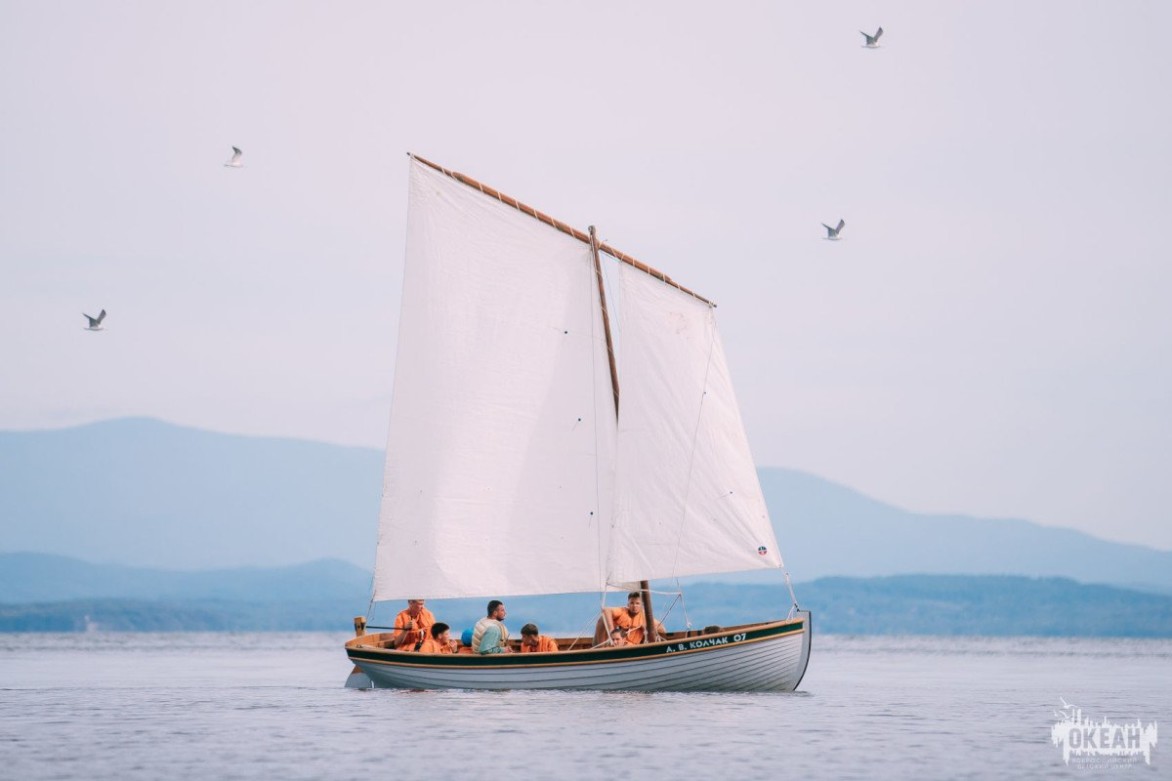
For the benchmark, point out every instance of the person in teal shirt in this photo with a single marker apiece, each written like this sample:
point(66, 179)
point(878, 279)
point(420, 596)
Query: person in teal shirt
point(490, 636)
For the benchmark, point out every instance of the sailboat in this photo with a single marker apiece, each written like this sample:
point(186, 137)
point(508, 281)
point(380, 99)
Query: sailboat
point(535, 447)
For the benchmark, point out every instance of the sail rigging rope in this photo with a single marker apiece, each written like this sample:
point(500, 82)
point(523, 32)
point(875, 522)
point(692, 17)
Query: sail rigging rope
point(691, 463)
point(794, 609)
point(695, 436)
point(684, 606)
point(370, 604)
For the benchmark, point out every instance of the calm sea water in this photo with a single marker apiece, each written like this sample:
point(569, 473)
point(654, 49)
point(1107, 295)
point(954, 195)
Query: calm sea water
point(225, 706)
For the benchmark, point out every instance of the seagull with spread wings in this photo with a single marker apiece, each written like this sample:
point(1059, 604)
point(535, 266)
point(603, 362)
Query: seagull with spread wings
point(95, 322)
point(832, 233)
point(872, 40)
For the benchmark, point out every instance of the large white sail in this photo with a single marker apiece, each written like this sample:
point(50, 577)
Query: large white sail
point(688, 500)
point(499, 468)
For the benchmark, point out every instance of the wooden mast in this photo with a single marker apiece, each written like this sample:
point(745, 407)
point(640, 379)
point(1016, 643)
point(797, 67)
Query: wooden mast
point(649, 631)
point(614, 375)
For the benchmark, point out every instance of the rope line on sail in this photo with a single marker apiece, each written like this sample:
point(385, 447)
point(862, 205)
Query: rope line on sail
point(558, 225)
point(691, 464)
point(695, 436)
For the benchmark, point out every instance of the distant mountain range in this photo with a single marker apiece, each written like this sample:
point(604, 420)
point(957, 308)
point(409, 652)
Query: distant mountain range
point(47, 593)
point(53, 593)
point(828, 529)
point(143, 493)
point(39, 577)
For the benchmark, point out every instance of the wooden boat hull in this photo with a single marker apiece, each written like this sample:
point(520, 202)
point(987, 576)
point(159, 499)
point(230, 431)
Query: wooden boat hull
point(758, 657)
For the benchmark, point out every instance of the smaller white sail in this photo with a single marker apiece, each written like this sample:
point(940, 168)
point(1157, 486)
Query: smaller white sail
point(688, 500)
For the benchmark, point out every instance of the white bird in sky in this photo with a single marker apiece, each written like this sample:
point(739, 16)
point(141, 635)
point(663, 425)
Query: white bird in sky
point(872, 40)
point(95, 322)
point(235, 161)
point(832, 233)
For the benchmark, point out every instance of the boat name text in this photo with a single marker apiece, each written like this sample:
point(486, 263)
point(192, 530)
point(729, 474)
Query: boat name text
point(694, 644)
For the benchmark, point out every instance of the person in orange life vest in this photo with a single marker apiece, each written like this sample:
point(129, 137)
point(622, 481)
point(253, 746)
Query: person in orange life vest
point(411, 625)
point(532, 642)
point(629, 619)
point(439, 640)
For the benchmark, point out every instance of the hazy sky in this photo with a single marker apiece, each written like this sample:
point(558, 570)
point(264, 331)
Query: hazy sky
point(992, 336)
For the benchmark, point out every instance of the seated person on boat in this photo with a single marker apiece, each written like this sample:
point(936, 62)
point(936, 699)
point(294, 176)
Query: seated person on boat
point(439, 640)
point(630, 619)
point(490, 636)
point(412, 625)
point(533, 642)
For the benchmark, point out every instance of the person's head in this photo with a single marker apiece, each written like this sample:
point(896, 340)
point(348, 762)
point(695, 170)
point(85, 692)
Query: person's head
point(634, 602)
point(529, 635)
point(414, 606)
point(496, 609)
point(441, 632)
point(618, 636)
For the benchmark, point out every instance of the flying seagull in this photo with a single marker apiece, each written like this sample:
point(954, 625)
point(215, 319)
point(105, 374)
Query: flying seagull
point(235, 161)
point(95, 322)
point(872, 40)
point(832, 233)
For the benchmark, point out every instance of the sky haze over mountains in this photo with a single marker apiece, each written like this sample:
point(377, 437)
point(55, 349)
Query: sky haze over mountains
point(990, 335)
point(145, 493)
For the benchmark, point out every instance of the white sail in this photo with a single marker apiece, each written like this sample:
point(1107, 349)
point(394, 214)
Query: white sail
point(499, 468)
point(688, 500)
